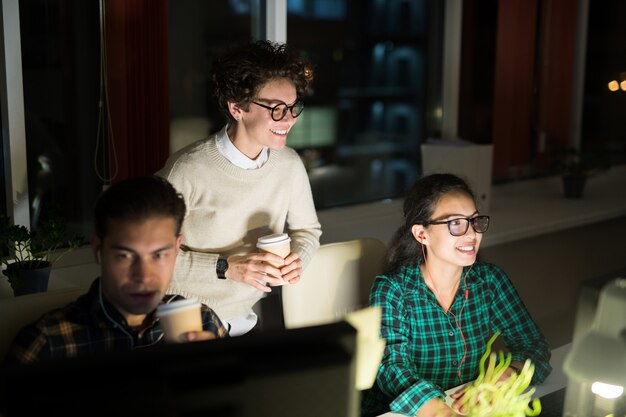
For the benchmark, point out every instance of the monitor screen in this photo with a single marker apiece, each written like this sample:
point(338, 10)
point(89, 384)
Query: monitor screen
point(297, 372)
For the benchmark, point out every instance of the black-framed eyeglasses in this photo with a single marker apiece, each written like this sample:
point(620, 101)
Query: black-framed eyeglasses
point(458, 227)
point(279, 111)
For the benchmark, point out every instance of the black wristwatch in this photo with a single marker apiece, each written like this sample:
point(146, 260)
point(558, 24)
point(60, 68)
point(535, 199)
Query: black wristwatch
point(221, 267)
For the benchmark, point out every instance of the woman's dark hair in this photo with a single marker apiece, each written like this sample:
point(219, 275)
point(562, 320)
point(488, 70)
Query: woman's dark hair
point(241, 72)
point(419, 206)
point(138, 199)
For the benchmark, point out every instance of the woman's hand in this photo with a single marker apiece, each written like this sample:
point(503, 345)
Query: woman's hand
point(436, 407)
point(458, 400)
point(514, 368)
point(256, 269)
point(458, 396)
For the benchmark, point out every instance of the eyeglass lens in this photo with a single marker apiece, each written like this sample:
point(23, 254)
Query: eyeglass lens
point(458, 227)
point(280, 110)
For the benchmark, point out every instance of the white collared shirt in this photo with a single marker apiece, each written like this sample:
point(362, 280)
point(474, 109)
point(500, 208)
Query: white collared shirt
point(236, 157)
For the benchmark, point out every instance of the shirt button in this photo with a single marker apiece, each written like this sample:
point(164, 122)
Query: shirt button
point(455, 363)
point(451, 333)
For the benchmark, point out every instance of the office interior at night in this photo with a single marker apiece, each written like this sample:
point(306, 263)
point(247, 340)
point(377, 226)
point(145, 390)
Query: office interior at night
point(96, 91)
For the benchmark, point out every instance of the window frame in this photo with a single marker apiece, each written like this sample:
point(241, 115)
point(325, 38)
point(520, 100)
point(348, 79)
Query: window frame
point(13, 123)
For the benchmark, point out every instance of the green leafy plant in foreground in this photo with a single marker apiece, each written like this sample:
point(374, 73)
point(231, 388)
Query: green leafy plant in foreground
point(488, 396)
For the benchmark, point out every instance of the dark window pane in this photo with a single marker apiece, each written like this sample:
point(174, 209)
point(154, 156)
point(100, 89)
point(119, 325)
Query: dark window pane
point(603, 129)
point(200, 30)
point(60, 62)
point(361, 131)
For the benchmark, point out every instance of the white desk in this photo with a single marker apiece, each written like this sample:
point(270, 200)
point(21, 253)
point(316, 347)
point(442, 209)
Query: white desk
point(554, 382)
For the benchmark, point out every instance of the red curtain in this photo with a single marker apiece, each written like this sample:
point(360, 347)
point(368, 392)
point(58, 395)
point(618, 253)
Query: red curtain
point(137, 69)
point(558, 30)
point(533, 81)
point(513, 84)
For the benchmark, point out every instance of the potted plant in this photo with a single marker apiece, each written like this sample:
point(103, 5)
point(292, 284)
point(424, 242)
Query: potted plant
point(576, 167)
point(26, 256)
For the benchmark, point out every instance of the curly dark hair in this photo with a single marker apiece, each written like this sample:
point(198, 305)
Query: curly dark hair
point(419, 206)
point(241, 72)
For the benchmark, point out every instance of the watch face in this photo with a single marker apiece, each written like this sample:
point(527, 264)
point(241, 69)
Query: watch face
point(222, 265)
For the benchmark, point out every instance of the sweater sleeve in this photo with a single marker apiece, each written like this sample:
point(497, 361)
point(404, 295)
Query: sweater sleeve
point(185, 280)
point(302, 223)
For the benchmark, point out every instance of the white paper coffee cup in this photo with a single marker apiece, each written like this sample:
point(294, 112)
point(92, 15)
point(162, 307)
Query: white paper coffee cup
point(179, 317)
point(278, 244)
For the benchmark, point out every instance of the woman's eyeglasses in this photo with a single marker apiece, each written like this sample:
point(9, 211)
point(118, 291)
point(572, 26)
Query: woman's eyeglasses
point(458, 227)
point(279, 111)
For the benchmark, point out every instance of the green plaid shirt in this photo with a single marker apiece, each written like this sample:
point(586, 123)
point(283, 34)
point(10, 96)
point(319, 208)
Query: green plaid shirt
point(83, 328)
point(425, 345)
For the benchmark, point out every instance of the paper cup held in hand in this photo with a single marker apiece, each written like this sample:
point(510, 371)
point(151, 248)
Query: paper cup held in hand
point(278, 244)
point(179, 317)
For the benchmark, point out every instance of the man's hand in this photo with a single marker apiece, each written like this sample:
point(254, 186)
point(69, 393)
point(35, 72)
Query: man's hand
point(197, 336)
point(292, 270)
point(256, 269)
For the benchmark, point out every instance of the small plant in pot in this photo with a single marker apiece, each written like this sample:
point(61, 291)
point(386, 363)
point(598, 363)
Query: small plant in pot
point(26, 256)
point(576, 167)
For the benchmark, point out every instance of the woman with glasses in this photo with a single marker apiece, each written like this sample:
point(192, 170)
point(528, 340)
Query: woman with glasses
point(243, 183)
point(440, 305)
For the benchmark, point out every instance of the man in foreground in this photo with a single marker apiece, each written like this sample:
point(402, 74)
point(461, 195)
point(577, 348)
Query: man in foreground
point(136, 240)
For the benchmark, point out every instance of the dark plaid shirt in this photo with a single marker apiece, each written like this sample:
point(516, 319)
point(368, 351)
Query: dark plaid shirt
point(84, 328)
point(424, 343)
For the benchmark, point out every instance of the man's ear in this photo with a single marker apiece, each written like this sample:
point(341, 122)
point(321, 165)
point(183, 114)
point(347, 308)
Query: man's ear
point(235, 110)
point(418, 233)
point(96, 247)
point(179, 241)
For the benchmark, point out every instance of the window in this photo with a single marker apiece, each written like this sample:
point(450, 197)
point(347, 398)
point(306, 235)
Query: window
point(60, 71)
point(360, 133)
point(209, 27)
point(605, 81)
point(3, 190)
point(359, 136)
point(377, 94)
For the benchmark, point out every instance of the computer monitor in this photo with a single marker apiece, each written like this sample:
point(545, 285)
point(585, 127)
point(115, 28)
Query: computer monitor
point(298, 372)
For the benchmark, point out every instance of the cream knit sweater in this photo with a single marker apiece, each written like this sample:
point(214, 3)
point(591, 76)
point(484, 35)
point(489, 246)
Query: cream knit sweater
point(228, 208)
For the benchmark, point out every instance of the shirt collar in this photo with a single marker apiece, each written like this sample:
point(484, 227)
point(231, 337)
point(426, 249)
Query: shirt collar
point(235, 156)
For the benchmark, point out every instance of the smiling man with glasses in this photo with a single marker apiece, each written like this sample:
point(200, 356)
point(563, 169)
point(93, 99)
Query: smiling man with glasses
point(244, 182)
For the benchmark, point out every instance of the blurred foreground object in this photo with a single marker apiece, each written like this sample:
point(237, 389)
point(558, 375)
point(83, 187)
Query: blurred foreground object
point(488, 396)
point(370, 346)
point(597, 361)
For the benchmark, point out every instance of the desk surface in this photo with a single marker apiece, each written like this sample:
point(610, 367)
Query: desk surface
point(552, 390)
